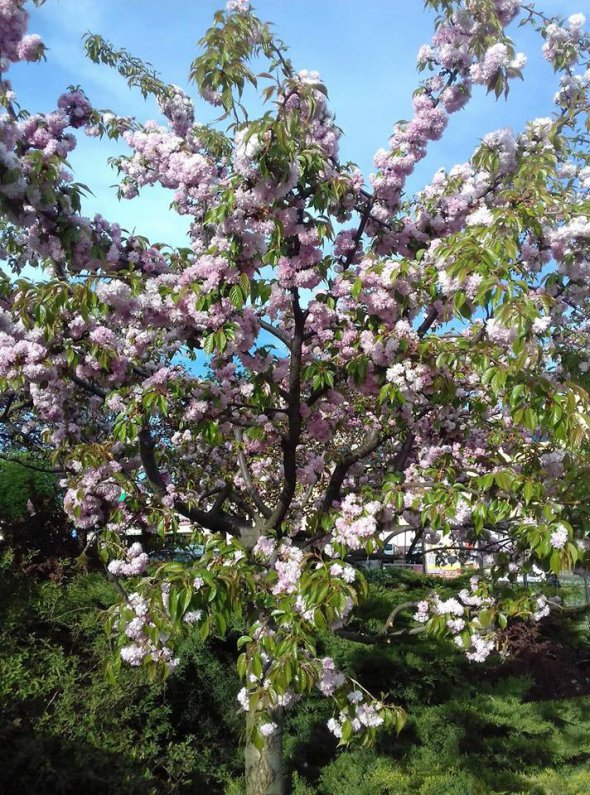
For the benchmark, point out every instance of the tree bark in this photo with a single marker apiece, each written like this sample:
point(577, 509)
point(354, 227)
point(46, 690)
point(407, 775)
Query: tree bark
point(264, 769)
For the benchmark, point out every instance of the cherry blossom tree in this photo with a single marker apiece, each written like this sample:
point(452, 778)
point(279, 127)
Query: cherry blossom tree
point(331, 359)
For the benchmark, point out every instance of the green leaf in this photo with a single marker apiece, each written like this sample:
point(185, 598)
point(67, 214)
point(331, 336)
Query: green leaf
point(236, 296)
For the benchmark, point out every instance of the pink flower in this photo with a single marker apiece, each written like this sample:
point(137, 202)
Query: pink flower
point(331, 679)
point(238, 6)
point(133, 654)
point(559, 537)
point(268, 729)
point(30, 48)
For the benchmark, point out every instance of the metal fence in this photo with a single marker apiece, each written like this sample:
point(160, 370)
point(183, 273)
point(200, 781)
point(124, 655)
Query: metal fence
point(576, 589)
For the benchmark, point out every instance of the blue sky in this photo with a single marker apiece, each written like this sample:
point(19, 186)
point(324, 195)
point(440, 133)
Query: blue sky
point(365, 51)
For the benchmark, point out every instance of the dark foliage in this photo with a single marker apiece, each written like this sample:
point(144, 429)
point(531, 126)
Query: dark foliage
point(31, 514)
point(66, 729)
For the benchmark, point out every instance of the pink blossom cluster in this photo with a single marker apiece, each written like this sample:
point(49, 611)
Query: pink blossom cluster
point(141, 646)
point(463, 512)
point(542, 608)
point(136, 562)
point(505, 145)
point(573, 89)
point(454, 53)
point(411, 380)
point(238, 6)
point(288, 567)
point(331, 678)
point(480, 649)
point(345, 572)
point(507, 10)
point(481, 216)
point(164, 157)
point(422, 614)
point(272, 699)
point(24, 356)
point(247, 146)
point(407, 147)
point(461, 614)
point(321, 128)
point(265, 547)
point(91, 498)
point(356, 523)
point(453, 200)
point(178, 108)
point(269, 728)
point(361, 713)
point(559, 537)
point(15, 45)
point(497, 59)
point(76, 107)
point(561, 44)
point(380, 287)
point(565, 239)
point(499, 333)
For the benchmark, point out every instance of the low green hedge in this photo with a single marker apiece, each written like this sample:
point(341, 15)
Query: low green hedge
point(471, 729)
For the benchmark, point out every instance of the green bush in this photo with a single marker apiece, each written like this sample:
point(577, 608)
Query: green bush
point(31, 509)
point(66, 729)
point(471, 730)
point(491, 744)
point(569, 781)
point(19, 484)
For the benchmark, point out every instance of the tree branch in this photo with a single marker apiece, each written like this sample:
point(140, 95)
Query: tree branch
point(414, 543)
point(405, 528)
point(359, 233)
point(30, 466)
point(86, 385)
point(402, 455)
point(373, 440)
point(247, 478)
point(211, 520)
point(370, 640)
point(9, 401)
point(276, 332)
point(290, 441)
point(391, 617)
point(427, 322)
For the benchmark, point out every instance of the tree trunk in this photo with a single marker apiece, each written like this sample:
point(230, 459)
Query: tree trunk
point(264, 769)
